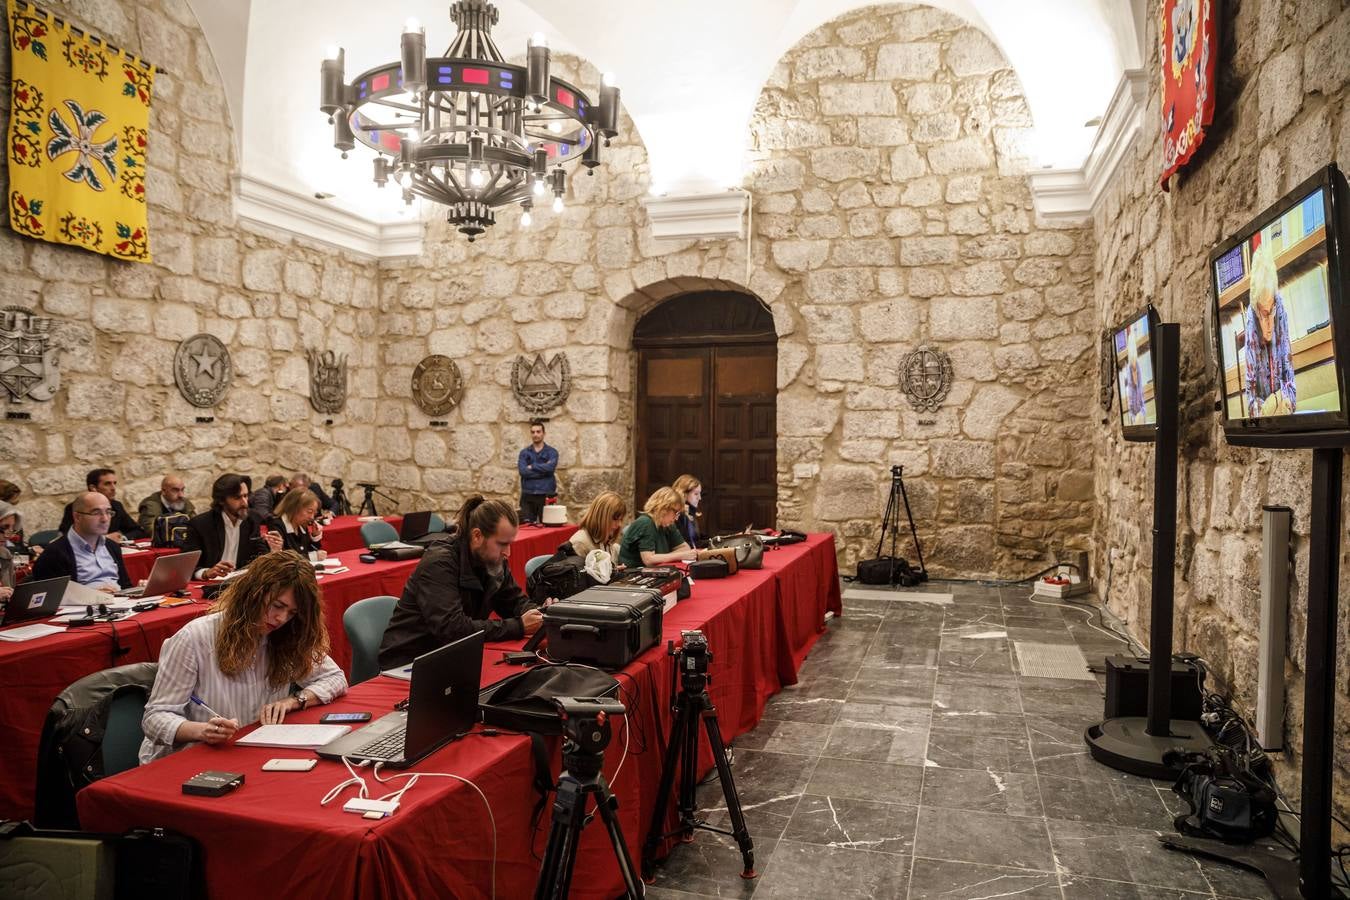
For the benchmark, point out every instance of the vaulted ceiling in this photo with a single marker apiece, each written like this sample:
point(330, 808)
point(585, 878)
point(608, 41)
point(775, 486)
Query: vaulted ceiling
point(690, 72)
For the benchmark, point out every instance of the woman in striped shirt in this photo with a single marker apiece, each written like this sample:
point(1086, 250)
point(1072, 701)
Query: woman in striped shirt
point(266, 635)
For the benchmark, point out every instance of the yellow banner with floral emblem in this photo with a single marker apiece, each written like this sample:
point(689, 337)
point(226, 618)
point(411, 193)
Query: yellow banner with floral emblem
point(78, 129)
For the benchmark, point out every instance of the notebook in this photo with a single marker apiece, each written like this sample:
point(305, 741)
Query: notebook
point(305, 737)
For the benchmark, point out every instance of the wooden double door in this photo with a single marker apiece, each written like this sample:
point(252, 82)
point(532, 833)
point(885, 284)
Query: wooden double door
point(711, 411)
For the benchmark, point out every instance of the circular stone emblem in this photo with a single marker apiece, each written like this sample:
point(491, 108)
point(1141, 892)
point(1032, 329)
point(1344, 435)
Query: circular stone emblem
point(202, 369)
point(437, 386)
point(926, 377)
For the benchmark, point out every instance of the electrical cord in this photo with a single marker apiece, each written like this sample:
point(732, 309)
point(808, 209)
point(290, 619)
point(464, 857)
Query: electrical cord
point(1085, 608)
point(1001, 582)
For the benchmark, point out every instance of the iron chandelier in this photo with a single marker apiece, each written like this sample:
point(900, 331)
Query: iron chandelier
point(467, 129)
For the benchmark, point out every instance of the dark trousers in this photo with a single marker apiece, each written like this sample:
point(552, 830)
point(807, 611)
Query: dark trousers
point(532, 507)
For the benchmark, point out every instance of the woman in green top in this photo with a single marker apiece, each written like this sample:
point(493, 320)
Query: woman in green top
point(652, 539)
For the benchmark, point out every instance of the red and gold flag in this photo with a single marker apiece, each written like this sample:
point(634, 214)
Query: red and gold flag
point(1189, 49)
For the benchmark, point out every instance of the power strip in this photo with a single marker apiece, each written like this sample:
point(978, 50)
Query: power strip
point(370, 809)
point(1050, 591)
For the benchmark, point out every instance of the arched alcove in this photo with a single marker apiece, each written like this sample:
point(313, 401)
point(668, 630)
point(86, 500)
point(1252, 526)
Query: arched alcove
point(707, 404)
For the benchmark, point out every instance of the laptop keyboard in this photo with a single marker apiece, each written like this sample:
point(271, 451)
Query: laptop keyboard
point(388, 747)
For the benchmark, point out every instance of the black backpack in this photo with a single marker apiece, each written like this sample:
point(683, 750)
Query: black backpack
point(169, 530)
point(561, 575)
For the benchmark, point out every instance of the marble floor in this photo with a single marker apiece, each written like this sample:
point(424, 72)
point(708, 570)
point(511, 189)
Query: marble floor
point(913, 761)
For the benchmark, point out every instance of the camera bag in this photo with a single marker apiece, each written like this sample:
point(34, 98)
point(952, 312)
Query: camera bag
point(749, 549)
point(709, 568)
point(524, 702)
point(886, 570)
point(604, 626)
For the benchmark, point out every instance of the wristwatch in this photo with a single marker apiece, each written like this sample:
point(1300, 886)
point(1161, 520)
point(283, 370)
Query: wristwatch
point(302, 698)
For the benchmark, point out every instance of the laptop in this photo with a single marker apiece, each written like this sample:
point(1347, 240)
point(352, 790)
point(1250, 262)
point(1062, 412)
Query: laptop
point(442, 705)
point(38, 600)
point(170, 573)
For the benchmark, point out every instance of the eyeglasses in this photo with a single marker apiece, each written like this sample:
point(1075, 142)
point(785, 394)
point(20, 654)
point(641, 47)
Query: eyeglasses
point(100, 513)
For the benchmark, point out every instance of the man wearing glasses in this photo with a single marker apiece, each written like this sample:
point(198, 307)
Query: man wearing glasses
point(123, 527)
point(83, 553)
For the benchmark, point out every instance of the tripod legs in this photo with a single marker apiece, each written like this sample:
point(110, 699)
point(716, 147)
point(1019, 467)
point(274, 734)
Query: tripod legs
point(683, 748)
point(569, 818)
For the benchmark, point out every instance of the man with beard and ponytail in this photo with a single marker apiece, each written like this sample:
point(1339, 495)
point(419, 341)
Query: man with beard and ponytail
point(458, 584)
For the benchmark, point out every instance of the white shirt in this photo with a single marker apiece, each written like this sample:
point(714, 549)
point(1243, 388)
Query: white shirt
point(231, 551)
point(188, 665)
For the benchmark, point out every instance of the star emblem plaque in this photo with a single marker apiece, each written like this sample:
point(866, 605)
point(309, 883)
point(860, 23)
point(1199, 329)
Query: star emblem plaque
point(539, 387)
point(202, 370)
point(437, 385)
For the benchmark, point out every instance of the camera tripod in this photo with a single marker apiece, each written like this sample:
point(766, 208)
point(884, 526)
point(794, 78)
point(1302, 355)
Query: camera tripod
point(691, 704)
point(586, 732)
point(890, 520)
point(341, 505)
point(368, 501)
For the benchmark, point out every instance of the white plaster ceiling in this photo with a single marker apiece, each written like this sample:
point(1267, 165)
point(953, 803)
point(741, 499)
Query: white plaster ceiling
point(690, 72)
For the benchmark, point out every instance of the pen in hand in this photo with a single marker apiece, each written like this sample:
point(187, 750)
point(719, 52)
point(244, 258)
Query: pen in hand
point(202, 703)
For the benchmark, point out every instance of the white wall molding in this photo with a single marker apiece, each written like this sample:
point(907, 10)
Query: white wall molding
point(263, 203)
point(715, 216)
point(1067, 196)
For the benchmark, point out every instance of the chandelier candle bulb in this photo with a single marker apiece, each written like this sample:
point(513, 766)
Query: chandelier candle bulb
point(331, 87)
point(558, 203)
point(526, 219)
point(381, 171)
point(537, 71)
point(414, 58)
point(343, 139)
point(607, 119)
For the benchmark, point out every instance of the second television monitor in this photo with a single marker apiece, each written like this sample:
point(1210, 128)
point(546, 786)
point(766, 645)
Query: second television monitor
point(1133, 344)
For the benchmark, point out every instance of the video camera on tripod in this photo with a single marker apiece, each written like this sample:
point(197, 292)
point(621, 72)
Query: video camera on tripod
point(894, 570)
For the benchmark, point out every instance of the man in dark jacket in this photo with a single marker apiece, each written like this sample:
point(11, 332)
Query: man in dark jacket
point(265, 498)
point(300, 481)
point(457, 585)
point(536, 465)
point(84, 554)
point(226, 534)
point(123, 525)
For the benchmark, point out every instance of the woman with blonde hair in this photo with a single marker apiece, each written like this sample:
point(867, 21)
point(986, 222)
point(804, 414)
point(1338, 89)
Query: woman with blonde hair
point(295, 518)
point(691, 489)
point(1268, 360)
point(601, 525)
point(651, 538)
point(238, 664)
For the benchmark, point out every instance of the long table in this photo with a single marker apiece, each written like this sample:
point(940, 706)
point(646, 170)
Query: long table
point(33, 673)
point(272, 838)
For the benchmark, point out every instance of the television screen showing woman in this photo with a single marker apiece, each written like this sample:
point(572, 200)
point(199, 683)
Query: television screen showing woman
point(1133, 343)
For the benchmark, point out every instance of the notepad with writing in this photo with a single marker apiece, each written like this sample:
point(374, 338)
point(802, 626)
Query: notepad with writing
point(303, 737)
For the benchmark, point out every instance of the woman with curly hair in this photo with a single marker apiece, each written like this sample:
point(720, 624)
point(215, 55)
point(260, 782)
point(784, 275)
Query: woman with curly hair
point(260, 655)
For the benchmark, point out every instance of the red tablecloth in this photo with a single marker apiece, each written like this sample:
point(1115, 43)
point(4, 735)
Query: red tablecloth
point(344, 532)
point(439, 843)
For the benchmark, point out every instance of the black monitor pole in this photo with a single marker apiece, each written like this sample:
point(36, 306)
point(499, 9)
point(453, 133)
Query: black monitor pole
point(1141, 746)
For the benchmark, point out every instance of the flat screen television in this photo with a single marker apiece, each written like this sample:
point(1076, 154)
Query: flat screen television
point(1132, 342)
point(1280, 321)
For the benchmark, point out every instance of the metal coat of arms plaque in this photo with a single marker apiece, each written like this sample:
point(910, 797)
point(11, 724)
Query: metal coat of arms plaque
point(202, 369)
point(437, 386)
point(327, 381)
point(28, 367)
point(926, 377)
point(539, 387)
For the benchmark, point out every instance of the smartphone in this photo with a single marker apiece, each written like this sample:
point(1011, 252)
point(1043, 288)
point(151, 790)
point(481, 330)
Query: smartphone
point(289, 765)
point(262, 531)
point(344, 718)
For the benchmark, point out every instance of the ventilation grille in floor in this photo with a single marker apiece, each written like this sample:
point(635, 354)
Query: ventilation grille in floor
point(857, 593)
point(1051, 661)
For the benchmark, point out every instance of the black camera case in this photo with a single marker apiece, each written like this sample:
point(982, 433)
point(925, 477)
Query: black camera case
point(604, 626)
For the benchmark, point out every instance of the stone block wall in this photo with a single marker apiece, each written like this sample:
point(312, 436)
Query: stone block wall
point(268, 298)
point(1282, 114)
point(891, 208)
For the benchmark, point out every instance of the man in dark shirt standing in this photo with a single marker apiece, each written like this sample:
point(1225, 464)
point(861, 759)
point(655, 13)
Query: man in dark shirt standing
point(537, 464)
point(264, 499)
point(457, 585)
point(123, 526)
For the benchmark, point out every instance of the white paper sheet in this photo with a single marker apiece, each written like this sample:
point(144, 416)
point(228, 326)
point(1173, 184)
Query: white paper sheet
point(305, 737)
point(29, 632)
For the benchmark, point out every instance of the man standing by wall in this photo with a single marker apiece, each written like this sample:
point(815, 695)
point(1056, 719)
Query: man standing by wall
point(536, 464)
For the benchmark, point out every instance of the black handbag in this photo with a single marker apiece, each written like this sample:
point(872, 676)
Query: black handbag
point(709, 568)
point(524, 702)
point(749, 549)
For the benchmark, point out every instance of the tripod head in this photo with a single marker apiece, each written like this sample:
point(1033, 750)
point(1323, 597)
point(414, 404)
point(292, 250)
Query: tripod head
point(691, 661)
point(586, 731)
point(897, 472)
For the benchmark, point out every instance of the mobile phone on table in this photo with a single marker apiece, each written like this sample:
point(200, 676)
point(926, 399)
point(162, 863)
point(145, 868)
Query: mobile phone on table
point(289, 765)
point(344, 718)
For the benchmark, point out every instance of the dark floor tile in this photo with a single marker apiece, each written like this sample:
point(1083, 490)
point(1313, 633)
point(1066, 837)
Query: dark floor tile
point(811, 871)
point(973, 749)
point(1040, 635)
point(801, 738)
point(764, 781)
point(988, 660)
point(711, 866)
point(842, 667)
point(895, 685)
point(962, 691)
point(901, 655)
point(830, 687)
point(853, 824)
point(982, 722)
point(1111, 852)
point(1076, 887)
point(1231, 881)
point(1058, 748)
point(865, 780)
point(983, 838)
point(899, 745)
point(1009, 793)
point(983, 616)
point(1067, 698)
point(1133, 804)
point(937, 879)
point(789, 708)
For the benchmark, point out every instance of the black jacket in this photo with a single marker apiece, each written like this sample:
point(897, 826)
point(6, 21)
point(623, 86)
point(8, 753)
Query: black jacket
point(299, 541)
point(445, 600)
point(206, 533)
point(325, 501)
point(121, 520)
point(59, 559)
point(262, 501)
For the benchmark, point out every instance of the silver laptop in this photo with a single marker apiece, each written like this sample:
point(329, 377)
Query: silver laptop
point(170, 573)
point(442, 705)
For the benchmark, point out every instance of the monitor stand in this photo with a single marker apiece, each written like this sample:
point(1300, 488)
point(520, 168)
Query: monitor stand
point(1145, 745)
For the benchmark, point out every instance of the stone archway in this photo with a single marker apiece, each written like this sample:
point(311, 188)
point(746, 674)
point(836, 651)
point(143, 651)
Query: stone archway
point(707, 404)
